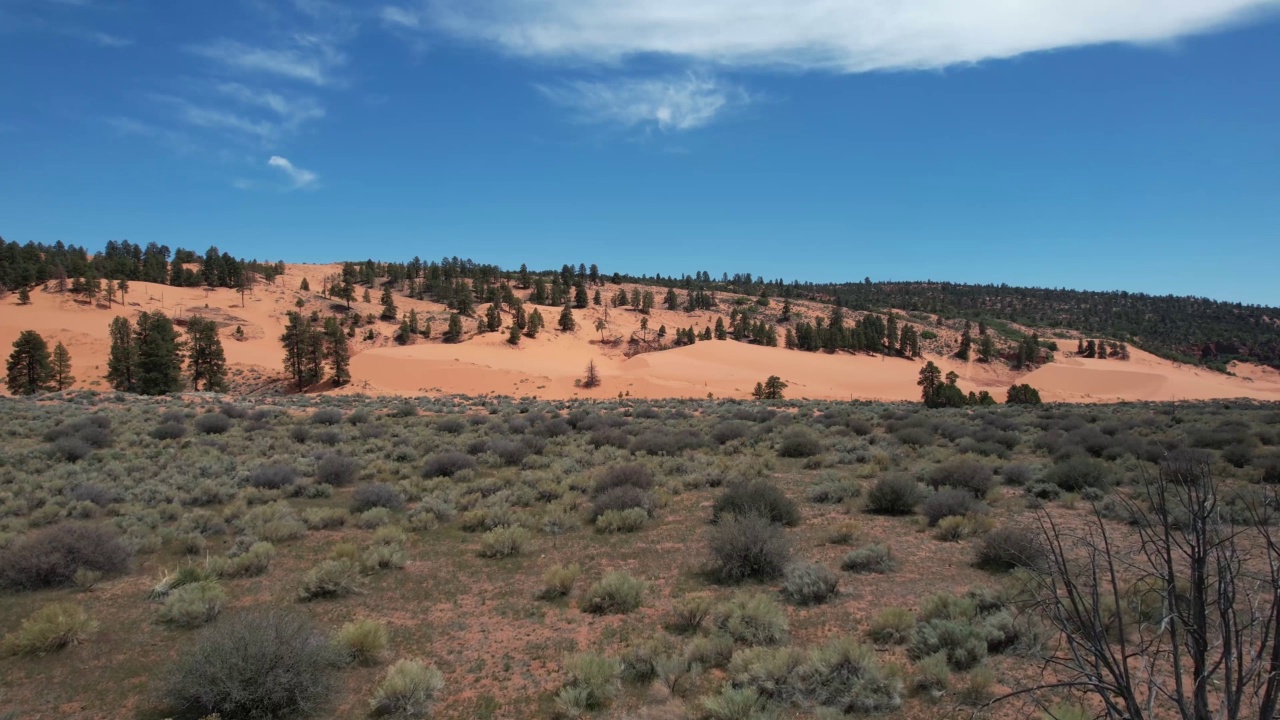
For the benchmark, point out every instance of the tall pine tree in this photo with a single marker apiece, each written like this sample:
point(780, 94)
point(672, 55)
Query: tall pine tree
point(205, 359)
point(29, 369)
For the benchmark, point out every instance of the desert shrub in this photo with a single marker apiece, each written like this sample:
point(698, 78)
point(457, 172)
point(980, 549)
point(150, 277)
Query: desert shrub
point(1074, 474)
point(300, 433)
point(609, 437)
point(49, 629)
point(363, 641)
point(330, 579)
point(621, 521)
point(663, 442)
point(1017, 474)
point(70, 449)
point(504, 542)
point(963, 474)
point(948, 503)
point(557, 581)
point(834, 490)
point(915, 437)
point(326, 416)
point(809, 584)
point(711, 651)
point(408, 690)
point(734, 704)
point(892, 626)
point(621, 499)
point(751, 619)
point(799, 443)
point(729, 430)
point(212, 424)
point(1008, 548)
point(688, 613)
point(957, 528)
point(932, 675)
point(252, 666)
point(51, 556)
point(639, 662)
point(845, 675)
point(894, 495)
point(1269, 467)
point(1044, 491)
point(169, 431)
point(870, 559)
point(773, 672)
point(336, 470)
point(448, 464)
point(617, 593)
point(1238, 456)
point(592, 684)
point(510, 452)
point(632, 475)
point(251, 563)
point(325, 518)
point(964, 644)
point(383, 557)
point(756, 497)
point(747, 548)
point(272, 477)
point(93, 493)
point(193, 605)
point(376, 495)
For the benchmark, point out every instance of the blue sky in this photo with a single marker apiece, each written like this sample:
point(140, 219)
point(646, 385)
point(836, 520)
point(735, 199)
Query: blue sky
point(1098, 144)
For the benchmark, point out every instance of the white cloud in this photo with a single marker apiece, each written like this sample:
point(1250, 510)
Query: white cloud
point(833, 35)
point(301, 178)
point(311, 60)
point(400, 17)
point(672, 103)
point(108, 40)
point(292, 111)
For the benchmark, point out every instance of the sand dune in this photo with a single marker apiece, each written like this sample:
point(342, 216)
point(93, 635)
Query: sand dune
point(549, 365)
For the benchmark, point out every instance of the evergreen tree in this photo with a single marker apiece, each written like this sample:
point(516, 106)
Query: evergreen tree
point(646, 302)
point(539, 296)
point(454, 333)
point(592, 378)
point(337, 352)
point(123, 286)
point(986, 348)
point(205, 359)
point(413, 322)
point(1023, 395)
point(389, 311)
point(513, 336)
point(300, 341)
point(29, 369)
point(601, 326)
point(595, 299)
point(929, 381)
point(580, 300)
point(122, 363)
point(966, 343)
point(24, 296)
point(304, 286)
point(772, 388)
point(493, 318)
point(891, 335)
point(366, 297)
point(721, 333)
point(672, 301)
point(567, 323)
point(522, 280)
point(62, 377)
point(159, 363)
point(404, 334)
point(534, 324)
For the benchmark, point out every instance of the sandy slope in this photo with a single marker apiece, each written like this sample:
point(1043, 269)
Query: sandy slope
point(549, 365)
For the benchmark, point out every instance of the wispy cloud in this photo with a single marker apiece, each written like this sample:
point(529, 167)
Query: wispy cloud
point(400, 17)
point(839, 36)
point(673, 103)
point(299, 177)
point(108, 40)
point(291, 111)
point(311, 59)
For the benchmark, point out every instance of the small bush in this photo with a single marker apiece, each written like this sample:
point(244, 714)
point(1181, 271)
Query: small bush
point(932, 676)
point(964, 644)
point(253, 562)
point(621, 521)
point(711, 651)
point(504, 542)
point(846, 676)
point(557, 581)
point(272, 477)
point(1044, 491)
point(747, 548)
point(892, 626)
point(948, 503)
point(894, 495)
point(363, 641)
point(94, 493)
point(809, 584)
point(448, 464)
point(376, 495)
point(629, 475)
point(621, 499)
point(1008, 548)
point(593, 682)
point(212, 424)
point(688, 613)
point(834, 491)
point(1017, 474)
point(1270, 470)
point(169, 431)
point(730, 430)
point(193, 605)
point(756, 497)
point(955, 529)
point(617, 593)
point(336, 470)
point(799, 443)
point(734, 704)
point(71, 449)
point(326, 416)
point(870, 559)
point(963, 474)
point(51, 628)
point(1077, 473)
point(408, 690)
point(330, 579)
point(751, 619)
point(252, 666)
point(50, 557)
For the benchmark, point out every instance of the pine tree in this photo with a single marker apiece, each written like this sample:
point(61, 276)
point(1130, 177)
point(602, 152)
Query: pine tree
point(337, 352)
point(205, 360)
point(593, 376)
point(300, 341)
point(534, 324)
point(159, 369)
point(646, 302)
point(567, 323)
point(785, 316)
point(24, 296)
point(891, 335)
point(123, 286)
point(454, 333)
point(493, 318)
point(122, 363)
point(966, 343)
point(601, 325)
point(672, 301)
point(522, 280)
point(389, 311)
point(721, 333)
point(986, 348)
point(580, 300)
point(304, 286)
point(62, 377)
point(404, 334)
point(772, 388)
point(513, 335)
point(595, 299)
point(366, 297)
point(29, 369)
point(930, 380)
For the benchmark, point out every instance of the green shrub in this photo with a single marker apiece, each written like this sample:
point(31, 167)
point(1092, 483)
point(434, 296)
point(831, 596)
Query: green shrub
point(640, 661)
point(756, 497)
point(272, 477)
point(336, 470)
point(964, 644)
point(734, 704)
point(1007, 548)
point(845, 675)
point(894, 495)
point(799, 443)
point(932, 676)
point(834, 491)
point(330, 579)
point(253, 562)
point(212, 424)
point(252, 666)
point(363, 641)
point(448, 464)
point(688, 613)
point(747, 548)
point(809, 584)
point(592, 684)
point(892, 626)
point(376, 495)
point(633, 475)
point(965, 474)
point(51, 556)
point(955, 529)
point(325, 518)
point(711, 651)
point(557, 581)
point(1077, 473)
point(617, 593)
point(504, 541)
point(49, 629)
point(169, 431)
point(751, 619)
point(621, 521)
point(773, 672)
point(870, 559)
point(193, 605)
point(950, 502)
point(408, 690)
